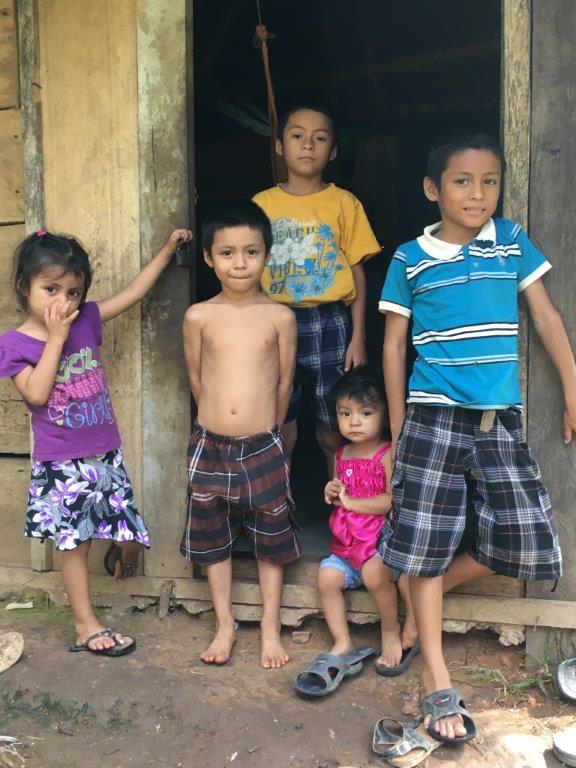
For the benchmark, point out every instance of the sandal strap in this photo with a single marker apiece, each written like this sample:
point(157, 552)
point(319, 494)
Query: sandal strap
point(103, 633)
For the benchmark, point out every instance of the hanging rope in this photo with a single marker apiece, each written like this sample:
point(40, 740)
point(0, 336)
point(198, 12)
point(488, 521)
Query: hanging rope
point(260, 41)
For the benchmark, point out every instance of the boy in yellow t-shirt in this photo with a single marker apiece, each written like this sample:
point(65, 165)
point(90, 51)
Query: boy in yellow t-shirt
point(321, 237)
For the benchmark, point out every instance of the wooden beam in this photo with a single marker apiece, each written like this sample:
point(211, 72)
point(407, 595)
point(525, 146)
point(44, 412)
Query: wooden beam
point(553, 227)
point(491, 610)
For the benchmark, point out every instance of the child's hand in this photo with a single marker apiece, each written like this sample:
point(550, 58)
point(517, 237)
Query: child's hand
point(58, 320)
point(569, 423)
point(355, 354)
point(179, 236)
point(332, 491)
point(344, 499)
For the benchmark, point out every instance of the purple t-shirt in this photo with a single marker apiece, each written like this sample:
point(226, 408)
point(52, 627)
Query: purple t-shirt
point(78, 420)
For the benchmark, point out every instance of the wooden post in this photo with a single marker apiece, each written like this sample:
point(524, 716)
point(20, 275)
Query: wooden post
point(163, 149)
point(28, 49)
point(553, 228)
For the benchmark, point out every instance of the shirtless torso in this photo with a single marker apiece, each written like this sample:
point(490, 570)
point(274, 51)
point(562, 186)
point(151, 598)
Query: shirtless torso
point(240, 358)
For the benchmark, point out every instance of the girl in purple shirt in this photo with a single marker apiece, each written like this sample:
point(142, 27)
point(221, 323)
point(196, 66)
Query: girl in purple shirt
point(79, 488)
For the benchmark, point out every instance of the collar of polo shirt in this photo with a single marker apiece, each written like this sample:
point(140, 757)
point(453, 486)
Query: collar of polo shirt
point(439, 249)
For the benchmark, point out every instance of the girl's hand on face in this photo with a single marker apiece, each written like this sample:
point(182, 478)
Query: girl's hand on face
point(58, 318)
point(332, 491)
point(179, 236)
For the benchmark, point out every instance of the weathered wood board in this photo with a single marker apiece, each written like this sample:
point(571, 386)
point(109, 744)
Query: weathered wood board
point(90, 146)
point(8, 55)
point(14, 481)
point(11, 167)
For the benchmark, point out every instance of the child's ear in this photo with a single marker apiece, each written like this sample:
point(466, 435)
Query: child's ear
point(430, 189)
point(279, 150)
point(208, 257)
point(333, 153)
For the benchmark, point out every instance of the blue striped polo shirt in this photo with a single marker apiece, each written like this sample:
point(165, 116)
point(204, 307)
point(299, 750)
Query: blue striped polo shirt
point(464, 306)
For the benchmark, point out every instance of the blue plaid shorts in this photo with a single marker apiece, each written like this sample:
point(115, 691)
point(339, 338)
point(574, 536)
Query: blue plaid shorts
point(437, 450)
point(323, 337)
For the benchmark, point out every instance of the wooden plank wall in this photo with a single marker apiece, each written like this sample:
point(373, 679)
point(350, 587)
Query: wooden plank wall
point(553, 227)
point(89, 101)
point(14, 429)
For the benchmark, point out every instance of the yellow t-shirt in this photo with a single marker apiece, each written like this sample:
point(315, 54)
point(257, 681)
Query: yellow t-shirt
point(316, 240)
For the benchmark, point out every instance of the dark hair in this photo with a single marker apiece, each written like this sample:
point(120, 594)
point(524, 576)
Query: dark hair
point(440, 155)
point(237, 213)
point(43, 250)
point(362, 385)
point(321, 108)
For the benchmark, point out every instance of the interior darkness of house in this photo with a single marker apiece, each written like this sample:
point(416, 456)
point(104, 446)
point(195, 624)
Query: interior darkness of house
point(399, 77)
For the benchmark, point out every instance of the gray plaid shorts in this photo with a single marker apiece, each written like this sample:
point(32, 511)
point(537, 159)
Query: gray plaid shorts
point(438, 450)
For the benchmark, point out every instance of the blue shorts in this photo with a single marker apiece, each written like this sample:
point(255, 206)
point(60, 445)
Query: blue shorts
point(352, 576)
point(323, 338)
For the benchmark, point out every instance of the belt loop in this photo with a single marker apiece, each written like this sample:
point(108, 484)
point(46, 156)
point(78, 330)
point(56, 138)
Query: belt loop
point(487, 420)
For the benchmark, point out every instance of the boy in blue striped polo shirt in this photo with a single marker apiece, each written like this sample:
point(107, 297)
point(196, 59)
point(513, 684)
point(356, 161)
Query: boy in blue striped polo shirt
point(461, 434)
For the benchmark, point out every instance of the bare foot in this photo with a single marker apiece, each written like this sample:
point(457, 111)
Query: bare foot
point(338, 649)
point(448, 727)
point(219, 650)
point(409, 633)
point(273, 655)
point(391, 648)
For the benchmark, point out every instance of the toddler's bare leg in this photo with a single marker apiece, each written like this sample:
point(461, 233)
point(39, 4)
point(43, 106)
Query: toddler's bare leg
point(220, 582)
point(330, 586)
point(75, 579)
point(329, 441)
point(426, 596)
point(377, 578)
point(273, 654)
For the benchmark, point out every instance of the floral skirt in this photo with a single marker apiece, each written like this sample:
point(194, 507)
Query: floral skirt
point(80, 499)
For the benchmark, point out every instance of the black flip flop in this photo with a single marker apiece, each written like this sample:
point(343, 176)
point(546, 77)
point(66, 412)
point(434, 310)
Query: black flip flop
point(327, 671)
point(119, 649)
point(112, 556)
point(566, 679)
point(405, 661)
point(444, 703)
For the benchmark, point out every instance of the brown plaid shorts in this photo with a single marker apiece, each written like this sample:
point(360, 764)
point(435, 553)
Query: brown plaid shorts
point(233, 482)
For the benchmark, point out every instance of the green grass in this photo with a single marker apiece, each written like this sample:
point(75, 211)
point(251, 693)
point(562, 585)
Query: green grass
point(43, 709)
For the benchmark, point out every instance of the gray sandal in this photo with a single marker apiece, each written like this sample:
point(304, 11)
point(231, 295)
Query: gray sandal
point(405, 661)
point(403, 744)
point(443, 704)
point(327, 671)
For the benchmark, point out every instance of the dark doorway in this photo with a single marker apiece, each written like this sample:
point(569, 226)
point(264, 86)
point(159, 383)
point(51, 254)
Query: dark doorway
point(398, 76)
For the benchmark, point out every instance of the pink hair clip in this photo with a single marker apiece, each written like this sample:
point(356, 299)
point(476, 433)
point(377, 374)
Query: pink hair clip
point(41, 233)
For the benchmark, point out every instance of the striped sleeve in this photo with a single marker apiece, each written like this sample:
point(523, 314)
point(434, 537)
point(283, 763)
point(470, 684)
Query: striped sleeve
point(533, 263)
point(396, 293)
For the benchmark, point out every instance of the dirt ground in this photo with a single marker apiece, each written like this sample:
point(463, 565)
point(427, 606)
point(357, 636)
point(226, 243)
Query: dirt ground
point(162, 706)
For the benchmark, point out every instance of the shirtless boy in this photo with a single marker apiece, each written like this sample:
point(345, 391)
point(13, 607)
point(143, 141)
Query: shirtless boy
point(240, 350)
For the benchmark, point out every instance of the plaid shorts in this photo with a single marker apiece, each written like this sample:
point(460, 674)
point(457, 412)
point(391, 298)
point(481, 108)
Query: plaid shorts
point(323, 337)
point(234, 482)
point(438, 450)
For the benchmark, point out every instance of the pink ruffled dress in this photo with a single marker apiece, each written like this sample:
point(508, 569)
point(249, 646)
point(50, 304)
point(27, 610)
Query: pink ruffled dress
point(354, 536)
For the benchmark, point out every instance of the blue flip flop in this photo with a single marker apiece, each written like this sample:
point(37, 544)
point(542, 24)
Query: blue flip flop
point(327, 671)
point(405, 661)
